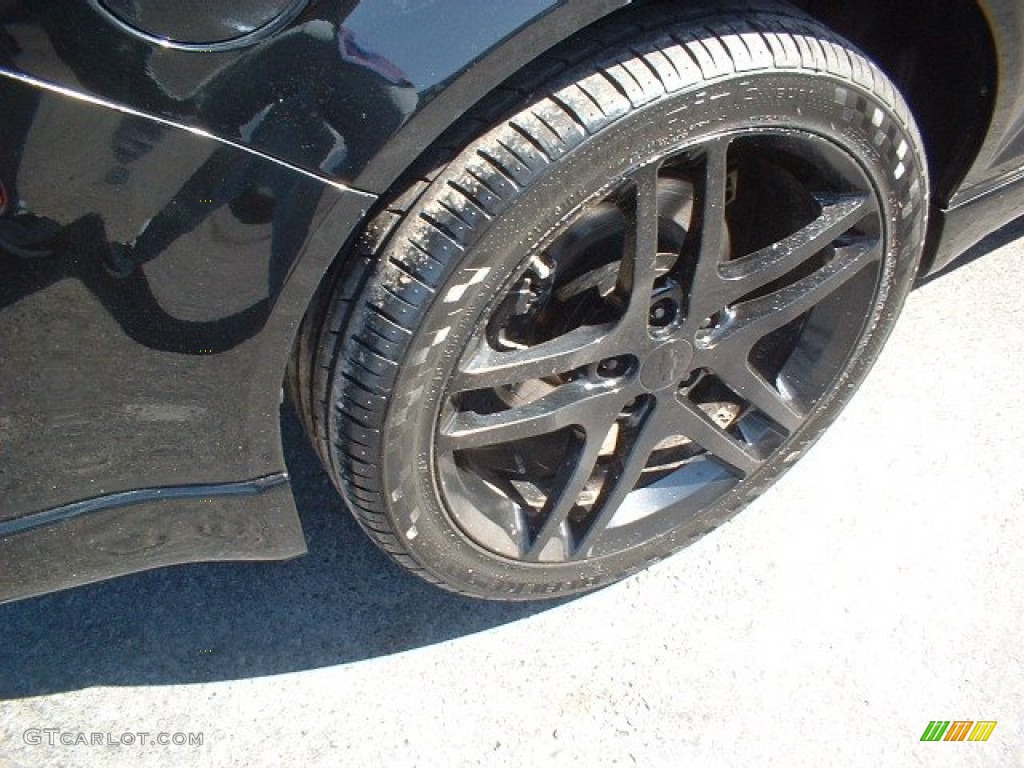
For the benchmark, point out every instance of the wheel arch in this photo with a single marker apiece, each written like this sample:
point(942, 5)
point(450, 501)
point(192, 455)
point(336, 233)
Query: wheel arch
point(940, 53)
point(476, 81)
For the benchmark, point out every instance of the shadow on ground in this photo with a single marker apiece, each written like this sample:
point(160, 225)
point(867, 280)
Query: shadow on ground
point(343, 602)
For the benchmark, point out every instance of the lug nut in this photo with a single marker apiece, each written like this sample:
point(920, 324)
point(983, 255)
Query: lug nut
point(613, 366)
point(662, 313)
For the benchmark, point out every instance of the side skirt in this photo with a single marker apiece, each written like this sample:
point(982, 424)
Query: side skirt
point(135, 531)
point(954, 230)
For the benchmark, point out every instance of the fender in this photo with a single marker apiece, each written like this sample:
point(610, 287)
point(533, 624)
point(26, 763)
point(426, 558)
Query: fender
point(353, 77)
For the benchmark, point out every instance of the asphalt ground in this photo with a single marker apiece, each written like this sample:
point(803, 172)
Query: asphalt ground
point(879, 586)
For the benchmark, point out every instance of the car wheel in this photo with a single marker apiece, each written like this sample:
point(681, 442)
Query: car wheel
point(620, 312)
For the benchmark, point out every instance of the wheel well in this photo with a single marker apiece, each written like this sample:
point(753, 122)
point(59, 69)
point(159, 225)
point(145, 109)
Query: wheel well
point(941, 56)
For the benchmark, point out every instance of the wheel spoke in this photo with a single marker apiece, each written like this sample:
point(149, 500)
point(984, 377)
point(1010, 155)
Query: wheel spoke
point(569, 484)
point(493, 368)
point(689, 420)
point(751, 320)
point(639, 263)
point(573, 404)
point(751, 386)
point(749, 273)
point(622, 479)
point(712, 228)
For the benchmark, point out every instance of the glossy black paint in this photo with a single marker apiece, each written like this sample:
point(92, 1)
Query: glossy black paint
point(117, 540)
point(170, 374)
point(239, 170)
point(198, 24)
point(325, 93)
point(158, 378)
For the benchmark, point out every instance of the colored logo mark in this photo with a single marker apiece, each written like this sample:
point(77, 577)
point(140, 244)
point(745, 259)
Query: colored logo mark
point(958, 730)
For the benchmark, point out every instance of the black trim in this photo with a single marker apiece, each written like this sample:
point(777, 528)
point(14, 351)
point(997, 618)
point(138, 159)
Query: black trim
point(139, 496)
point(954, 230)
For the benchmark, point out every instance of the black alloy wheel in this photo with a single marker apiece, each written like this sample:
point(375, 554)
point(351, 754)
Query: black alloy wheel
point(635, 352)
point(619, 314)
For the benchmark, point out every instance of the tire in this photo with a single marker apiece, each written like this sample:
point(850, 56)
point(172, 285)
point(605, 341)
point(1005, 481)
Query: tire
point(617, 314)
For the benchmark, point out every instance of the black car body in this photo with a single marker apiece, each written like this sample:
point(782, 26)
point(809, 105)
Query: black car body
point(140, 413)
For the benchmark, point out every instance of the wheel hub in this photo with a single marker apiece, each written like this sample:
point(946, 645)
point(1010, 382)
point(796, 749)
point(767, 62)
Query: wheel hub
point(666, 365)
